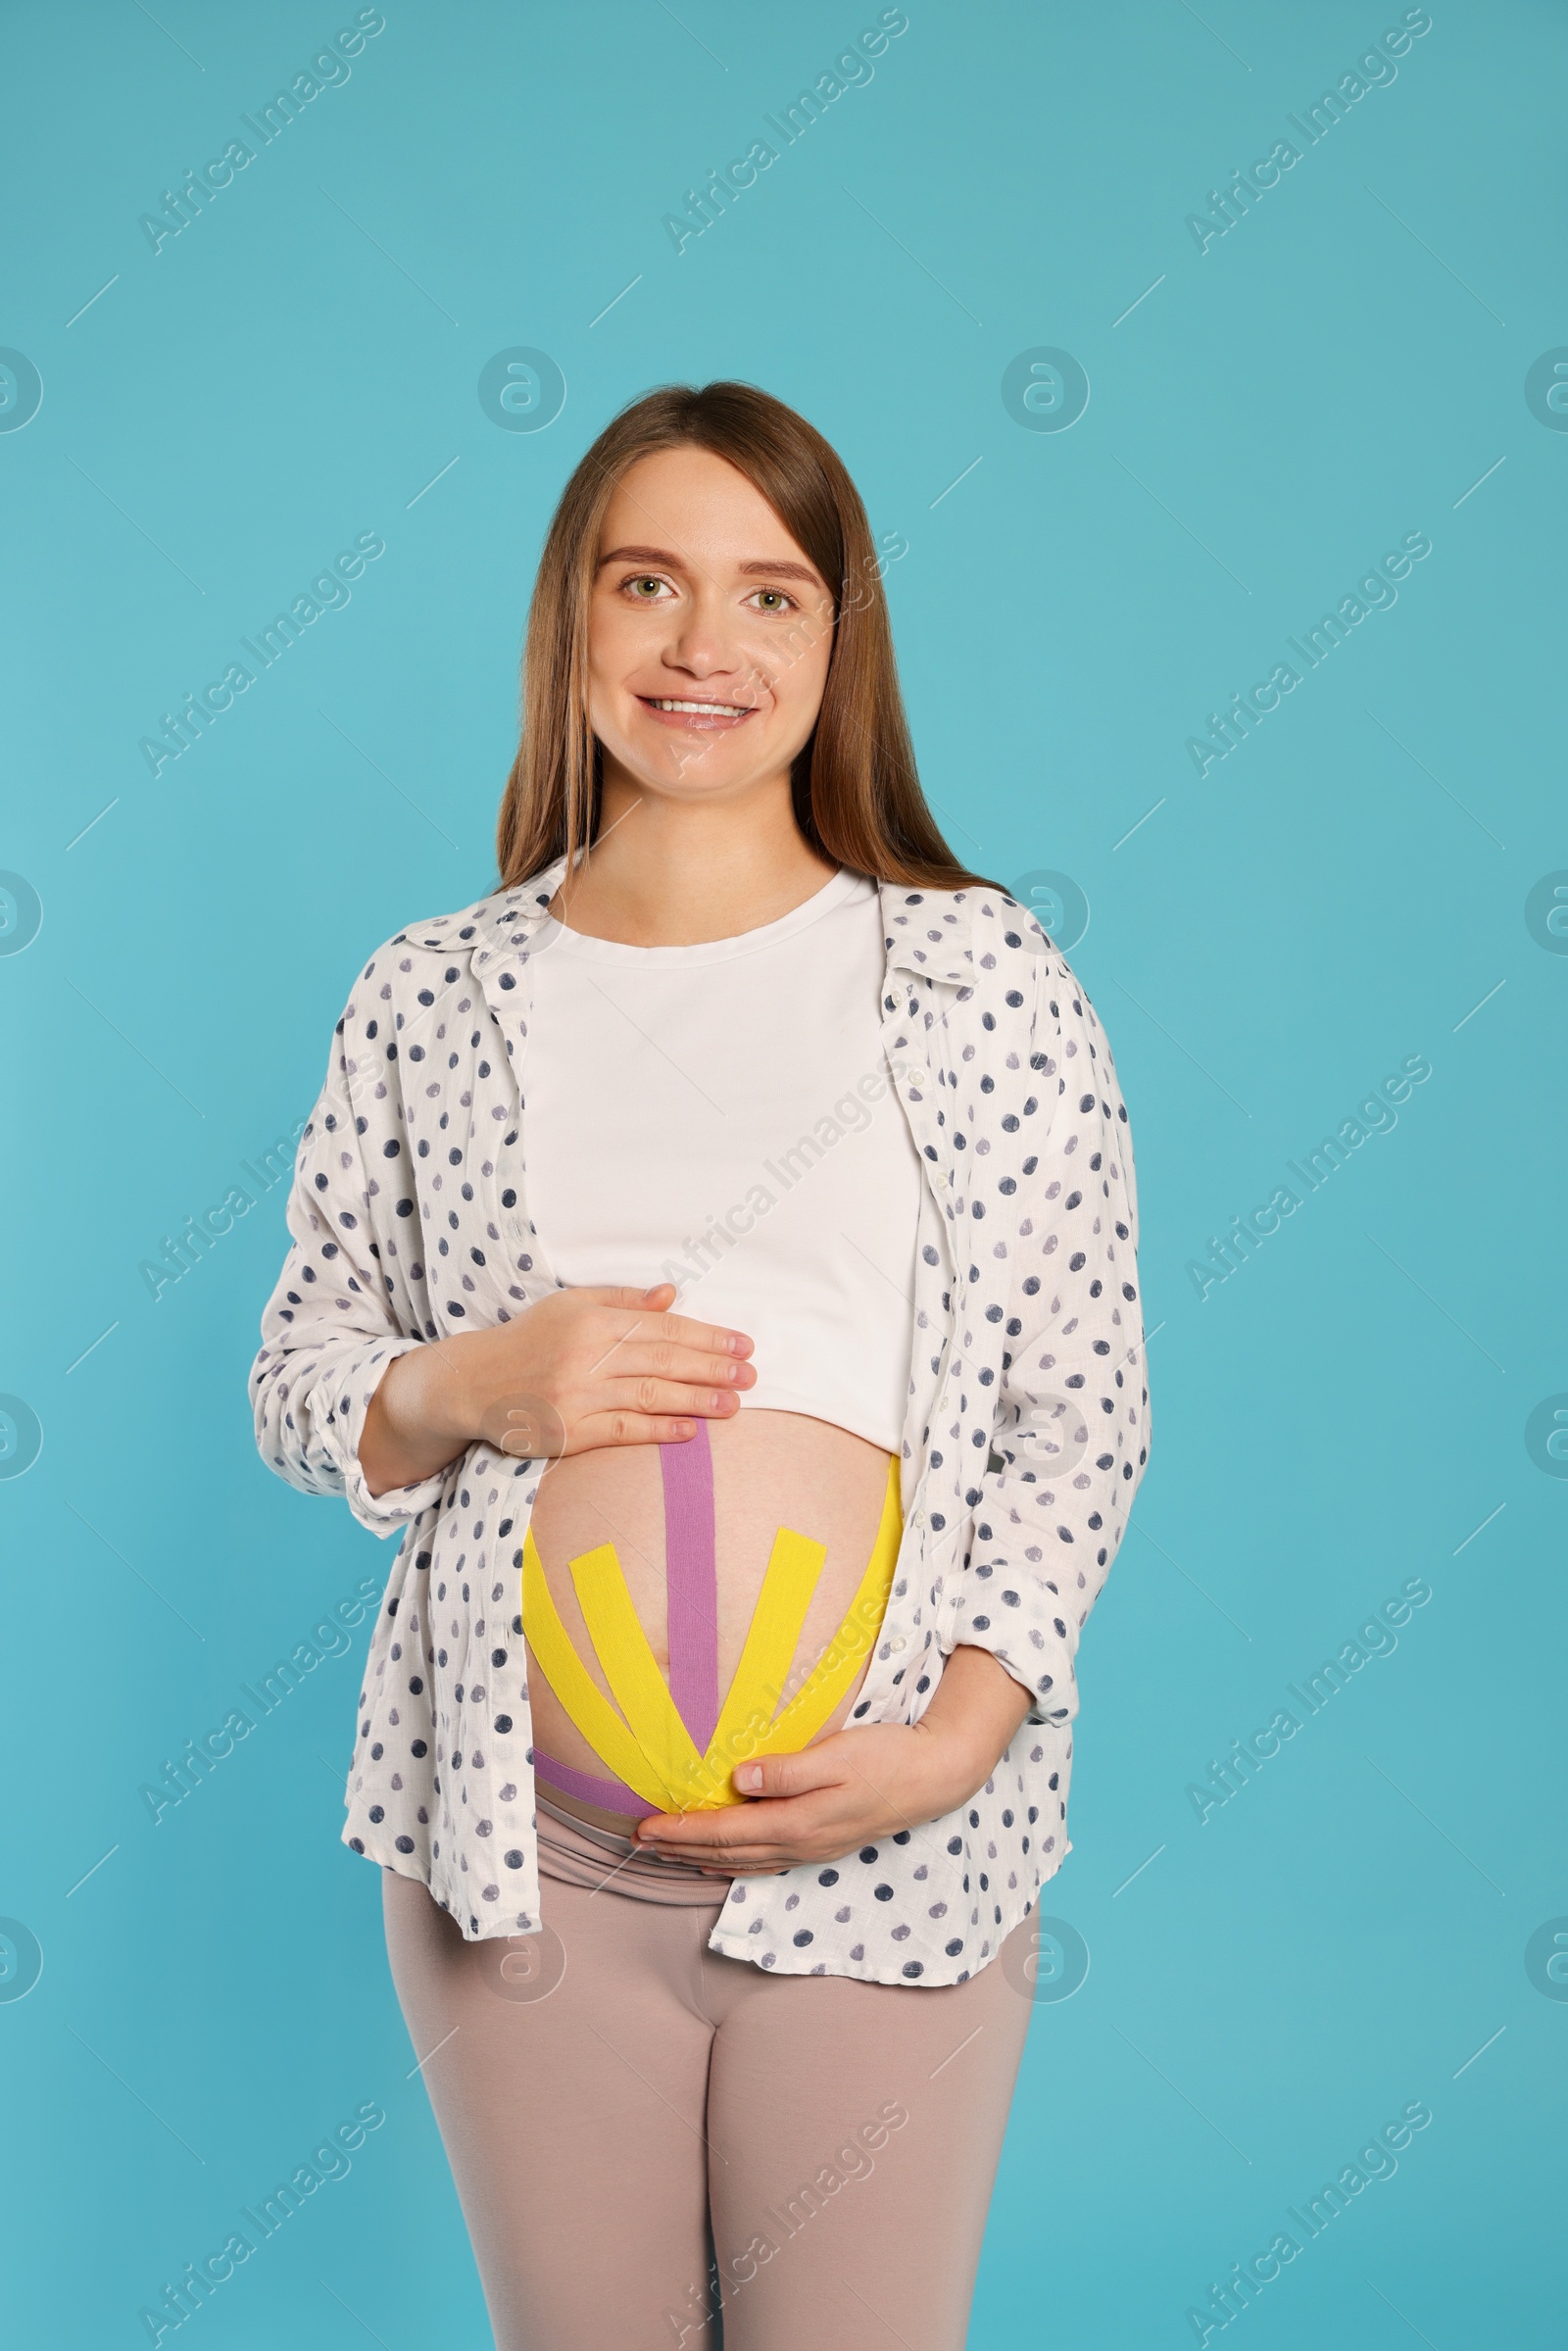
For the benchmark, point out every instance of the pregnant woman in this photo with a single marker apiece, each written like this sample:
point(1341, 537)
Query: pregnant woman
point(714, 1253)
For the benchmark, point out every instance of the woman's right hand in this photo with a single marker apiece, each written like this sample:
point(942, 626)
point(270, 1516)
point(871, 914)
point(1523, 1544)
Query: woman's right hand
point(581, 1368)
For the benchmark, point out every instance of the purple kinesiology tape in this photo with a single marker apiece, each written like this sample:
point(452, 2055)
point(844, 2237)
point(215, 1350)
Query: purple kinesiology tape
point(691, 1584)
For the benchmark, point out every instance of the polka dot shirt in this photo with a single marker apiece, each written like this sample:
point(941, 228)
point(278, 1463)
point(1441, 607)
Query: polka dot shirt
point(1025, 1436)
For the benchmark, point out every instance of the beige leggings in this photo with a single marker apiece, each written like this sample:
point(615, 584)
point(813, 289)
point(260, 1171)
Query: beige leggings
point(645, 2134)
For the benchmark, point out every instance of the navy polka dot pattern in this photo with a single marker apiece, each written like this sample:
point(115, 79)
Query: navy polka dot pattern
point(1025, 1437)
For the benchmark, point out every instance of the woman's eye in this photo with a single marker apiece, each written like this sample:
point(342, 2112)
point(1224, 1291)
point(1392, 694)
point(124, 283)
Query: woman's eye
point(644, 590)
point(772, 600)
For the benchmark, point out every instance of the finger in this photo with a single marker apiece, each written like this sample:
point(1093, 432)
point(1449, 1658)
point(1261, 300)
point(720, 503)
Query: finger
point(649, 1395)
point(710, 1338)
point(752, 1869)
point(746, 1861)
point(732, 1827)
point(715, 1848)
point(595, 1429)
point(654, 1301)
point(783, 1775)
point(708, 1852)
point(621, 1347)
point(635, 1357)
point(753, 1865)
point(713, 1860)
point(681, 1330)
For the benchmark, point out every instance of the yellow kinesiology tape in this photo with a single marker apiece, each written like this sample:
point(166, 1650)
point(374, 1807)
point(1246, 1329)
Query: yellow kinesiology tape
point(647, 1744)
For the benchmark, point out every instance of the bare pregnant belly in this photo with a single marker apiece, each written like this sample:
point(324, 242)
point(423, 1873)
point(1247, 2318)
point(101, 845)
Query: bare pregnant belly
point(770, 1471)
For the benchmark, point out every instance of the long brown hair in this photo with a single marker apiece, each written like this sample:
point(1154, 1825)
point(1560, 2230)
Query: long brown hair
point(856, 791)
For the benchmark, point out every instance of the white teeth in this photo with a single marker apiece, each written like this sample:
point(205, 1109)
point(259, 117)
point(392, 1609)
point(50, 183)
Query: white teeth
point(705, 710)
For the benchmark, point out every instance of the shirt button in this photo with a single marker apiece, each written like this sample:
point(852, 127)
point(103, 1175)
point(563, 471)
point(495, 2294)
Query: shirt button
point(917, 1518)
point(897, 1643)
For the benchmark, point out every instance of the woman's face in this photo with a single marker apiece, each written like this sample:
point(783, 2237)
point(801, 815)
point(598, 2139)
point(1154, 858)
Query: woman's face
point(709, 634)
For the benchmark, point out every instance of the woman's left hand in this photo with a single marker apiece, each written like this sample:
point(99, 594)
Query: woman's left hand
point(854, 1786)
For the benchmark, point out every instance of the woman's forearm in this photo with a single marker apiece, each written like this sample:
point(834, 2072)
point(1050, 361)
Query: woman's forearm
point(411, 1430)
point(976, 1710)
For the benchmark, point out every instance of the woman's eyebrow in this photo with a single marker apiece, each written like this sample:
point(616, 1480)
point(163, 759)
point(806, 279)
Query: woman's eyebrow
point(779, 569)
point(642, 554)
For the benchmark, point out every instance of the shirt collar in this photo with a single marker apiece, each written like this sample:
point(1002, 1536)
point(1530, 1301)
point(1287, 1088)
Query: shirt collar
point(498, 926)
point(930, 932)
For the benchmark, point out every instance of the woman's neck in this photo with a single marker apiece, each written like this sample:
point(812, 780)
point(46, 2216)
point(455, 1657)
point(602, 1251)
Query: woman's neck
point(678, 873)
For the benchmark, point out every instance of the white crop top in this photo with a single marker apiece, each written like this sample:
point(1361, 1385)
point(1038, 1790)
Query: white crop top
point(721, 1117)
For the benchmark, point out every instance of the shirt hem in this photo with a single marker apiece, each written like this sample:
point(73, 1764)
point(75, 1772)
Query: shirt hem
point(800, 1962)
point(730, 1946)
point(410, 1865)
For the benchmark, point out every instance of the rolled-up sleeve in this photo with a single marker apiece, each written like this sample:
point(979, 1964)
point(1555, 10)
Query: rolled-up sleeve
point(328, 1331)
point(1071, 1433)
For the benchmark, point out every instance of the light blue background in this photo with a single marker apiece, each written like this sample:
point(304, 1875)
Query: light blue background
point(1343, 891)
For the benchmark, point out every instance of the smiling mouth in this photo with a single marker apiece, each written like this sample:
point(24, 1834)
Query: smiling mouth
point(687, 711)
